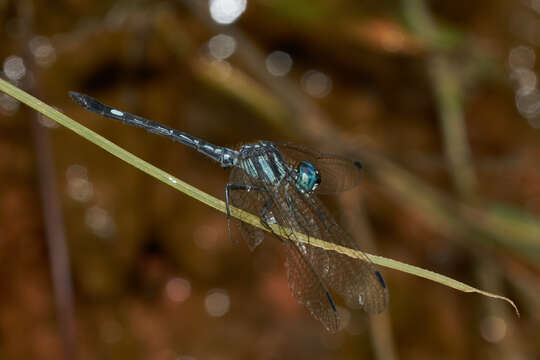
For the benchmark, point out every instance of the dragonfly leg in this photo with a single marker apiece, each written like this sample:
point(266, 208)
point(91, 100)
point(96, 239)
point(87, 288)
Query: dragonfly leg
point(297, 216)
point(264, 214)
point(228, 188)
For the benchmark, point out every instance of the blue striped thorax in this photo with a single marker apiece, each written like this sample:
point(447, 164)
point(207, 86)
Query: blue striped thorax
point(308, 177)
point(263, 161)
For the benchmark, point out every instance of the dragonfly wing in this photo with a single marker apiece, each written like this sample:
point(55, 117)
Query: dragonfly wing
point(250, 201)
point(357, 280)
point(308, 289)
point(305, 280)
point(337, 173)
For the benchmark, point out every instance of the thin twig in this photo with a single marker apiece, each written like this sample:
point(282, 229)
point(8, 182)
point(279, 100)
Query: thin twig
point(51, 208)
point(211, 201)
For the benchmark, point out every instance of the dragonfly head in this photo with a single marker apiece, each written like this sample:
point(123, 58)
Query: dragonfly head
point(308, 177)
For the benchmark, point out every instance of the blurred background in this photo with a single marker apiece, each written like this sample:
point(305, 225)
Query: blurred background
point(439, 100)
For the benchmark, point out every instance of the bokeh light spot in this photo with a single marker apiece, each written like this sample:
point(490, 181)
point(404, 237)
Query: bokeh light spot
point(493, 329)
point(316, 83)
point(43, 51)
point(221, 46)
point(100, 222)
point(528, 103)
point(521, 57)
point(79, 187)
point(525, 80)
point(226, 11)
point(178, 289)
point(14, 68)
point(217, 302)
point(278, 63)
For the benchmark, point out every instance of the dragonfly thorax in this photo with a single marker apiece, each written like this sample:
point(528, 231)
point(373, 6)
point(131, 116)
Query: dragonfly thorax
point(308, 177)
point(263, 161)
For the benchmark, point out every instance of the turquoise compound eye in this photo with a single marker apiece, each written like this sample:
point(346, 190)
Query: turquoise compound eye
point(308, 177)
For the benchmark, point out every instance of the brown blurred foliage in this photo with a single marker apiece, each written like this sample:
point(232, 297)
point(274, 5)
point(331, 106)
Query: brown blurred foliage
point(431, 100)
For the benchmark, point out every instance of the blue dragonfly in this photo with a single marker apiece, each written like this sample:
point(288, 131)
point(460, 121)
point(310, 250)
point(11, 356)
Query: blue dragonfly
point(279, 182)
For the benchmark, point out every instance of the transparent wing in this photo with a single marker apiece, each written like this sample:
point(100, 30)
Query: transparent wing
point(311, 270)
point(357, 280)
point(304, 278)
point(250, 201)
point(308, 289)
point(304, 281)
point(337, 173)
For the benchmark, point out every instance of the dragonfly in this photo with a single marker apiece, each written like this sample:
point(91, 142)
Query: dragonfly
point(280, 183)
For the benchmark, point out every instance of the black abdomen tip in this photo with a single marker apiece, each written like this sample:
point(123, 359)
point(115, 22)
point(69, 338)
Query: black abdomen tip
point(76, 96)
point(87, 102)
point(358, 164)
